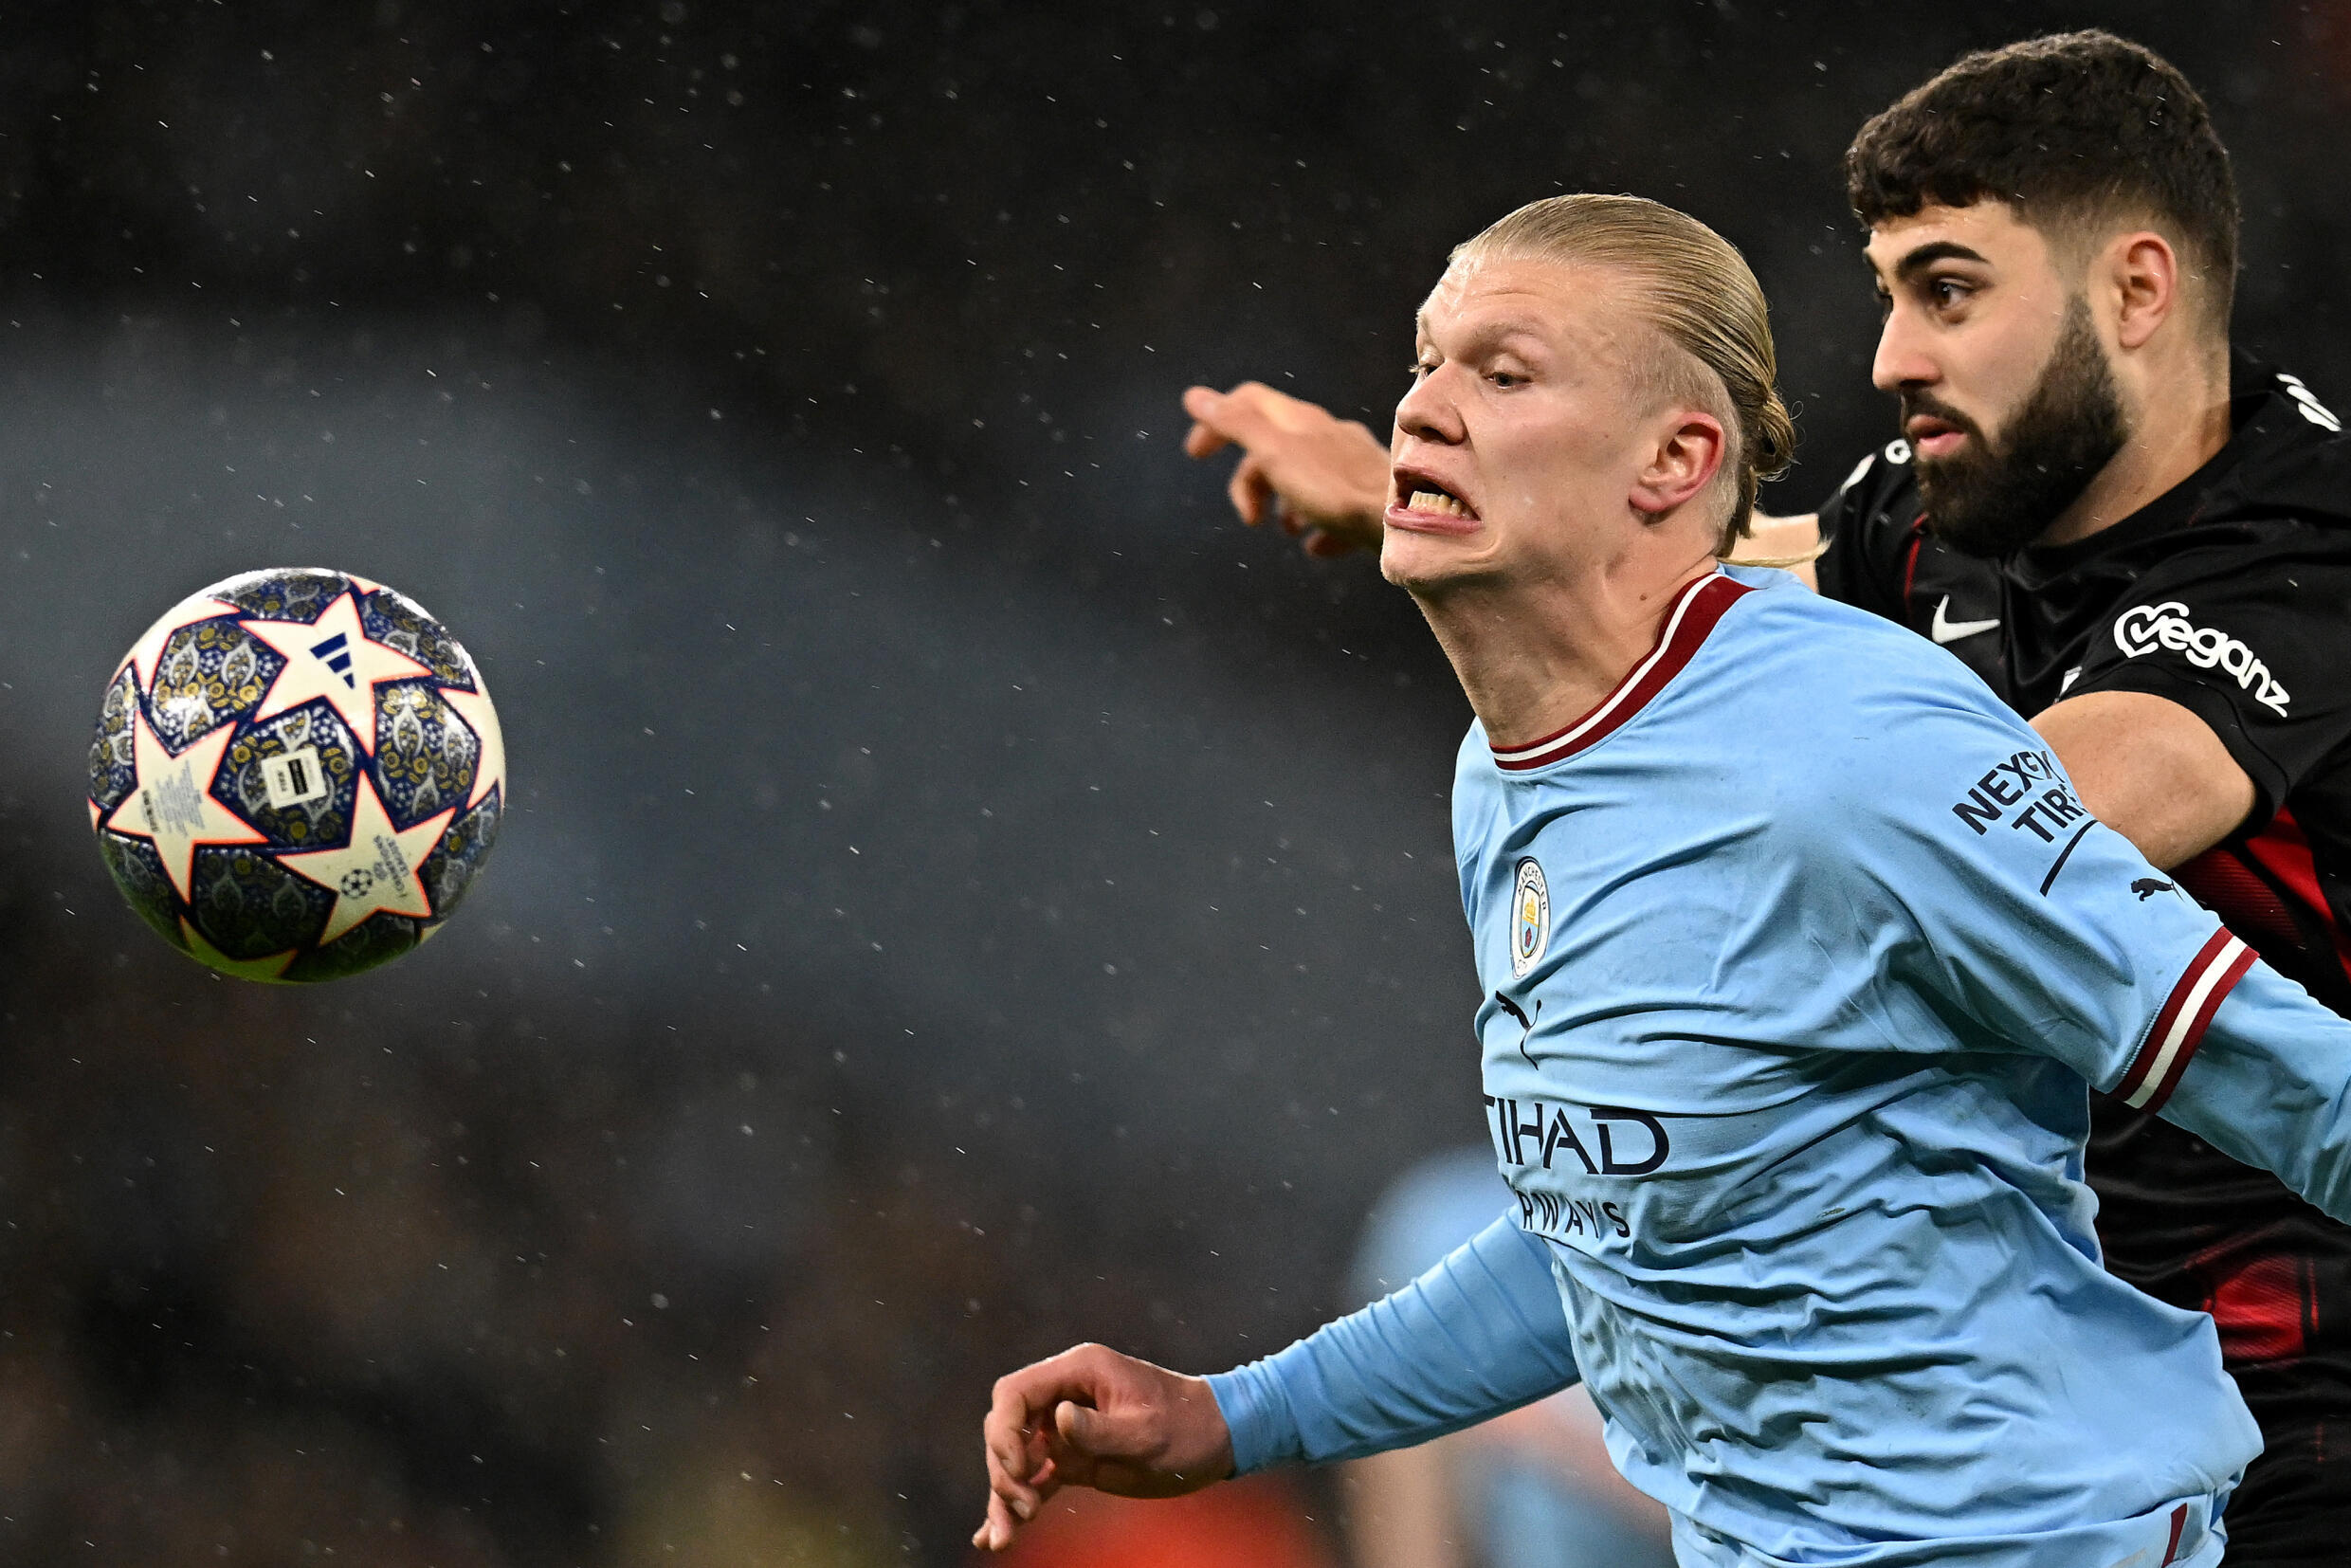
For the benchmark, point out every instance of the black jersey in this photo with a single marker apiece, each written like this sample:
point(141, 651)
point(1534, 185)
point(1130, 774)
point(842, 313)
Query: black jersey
point(2231, 596)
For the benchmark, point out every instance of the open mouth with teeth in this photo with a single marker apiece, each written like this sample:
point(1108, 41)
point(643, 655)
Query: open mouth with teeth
point(1426, 497)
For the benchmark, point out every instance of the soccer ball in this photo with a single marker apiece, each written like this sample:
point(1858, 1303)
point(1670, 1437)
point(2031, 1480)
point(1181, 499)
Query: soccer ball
point(296, 775)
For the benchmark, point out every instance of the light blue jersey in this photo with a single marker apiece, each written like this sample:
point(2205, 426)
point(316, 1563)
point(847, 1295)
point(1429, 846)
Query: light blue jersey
point(1800, 954)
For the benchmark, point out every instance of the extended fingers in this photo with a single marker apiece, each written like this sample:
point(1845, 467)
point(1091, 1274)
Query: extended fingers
point(1252, 491)
point(1250, 415)
point(1208, 434)
point(1204, 440)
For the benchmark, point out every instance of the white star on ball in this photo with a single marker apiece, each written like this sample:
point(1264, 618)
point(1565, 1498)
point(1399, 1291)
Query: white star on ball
point(377, 871)
point(332, 657)
point(173, 803)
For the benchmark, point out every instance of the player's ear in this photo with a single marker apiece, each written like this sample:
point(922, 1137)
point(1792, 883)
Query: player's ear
point(1688, 453)
point(2141, 273)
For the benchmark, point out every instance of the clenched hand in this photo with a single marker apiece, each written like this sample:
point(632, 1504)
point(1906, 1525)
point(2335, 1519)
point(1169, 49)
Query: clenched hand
point(1092, 1417)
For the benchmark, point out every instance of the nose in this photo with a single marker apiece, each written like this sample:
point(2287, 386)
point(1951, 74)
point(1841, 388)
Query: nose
point(1903, 361)
point(1428, 410)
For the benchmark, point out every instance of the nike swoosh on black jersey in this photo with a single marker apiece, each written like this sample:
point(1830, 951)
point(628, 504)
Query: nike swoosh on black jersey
point(1948, 631)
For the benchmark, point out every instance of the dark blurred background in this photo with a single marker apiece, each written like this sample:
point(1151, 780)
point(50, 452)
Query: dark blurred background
point(966, 893)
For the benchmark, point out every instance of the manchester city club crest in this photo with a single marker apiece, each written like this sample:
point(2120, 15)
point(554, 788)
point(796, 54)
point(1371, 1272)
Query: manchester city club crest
point(1530, 918)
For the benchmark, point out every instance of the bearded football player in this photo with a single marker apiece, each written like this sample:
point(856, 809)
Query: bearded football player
point(2135, 536)
point(2143, 541)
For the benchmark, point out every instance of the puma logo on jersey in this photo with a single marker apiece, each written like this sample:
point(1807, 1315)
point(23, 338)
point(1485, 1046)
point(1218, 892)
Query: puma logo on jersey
point(1945, 629)
point(1526, 1025)
point(2147, 888)
point(2145, 628)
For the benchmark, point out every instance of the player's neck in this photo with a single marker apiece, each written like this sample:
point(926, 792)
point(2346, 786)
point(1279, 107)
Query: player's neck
point(2179, 430)
point(1534, 657)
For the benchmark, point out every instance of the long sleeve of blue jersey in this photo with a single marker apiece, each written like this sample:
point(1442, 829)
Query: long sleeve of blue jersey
point(1482, 1333)
point(1989, 894)
point(2270, 1082)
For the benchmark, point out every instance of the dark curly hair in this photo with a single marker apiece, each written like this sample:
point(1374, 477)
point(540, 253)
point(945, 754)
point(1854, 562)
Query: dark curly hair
point(2079, 131)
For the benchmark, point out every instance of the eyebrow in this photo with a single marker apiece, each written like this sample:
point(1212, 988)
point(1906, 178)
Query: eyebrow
point(1492, 332)
point(1928, 255)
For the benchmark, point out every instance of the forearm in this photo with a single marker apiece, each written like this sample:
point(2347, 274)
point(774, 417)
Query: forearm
point(1482, 1333)
point(2270, 1085)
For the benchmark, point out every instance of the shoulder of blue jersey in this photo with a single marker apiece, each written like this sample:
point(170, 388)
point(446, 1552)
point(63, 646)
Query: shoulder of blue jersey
point(1787, 682)
point(1822, 646)
point(1807, 690)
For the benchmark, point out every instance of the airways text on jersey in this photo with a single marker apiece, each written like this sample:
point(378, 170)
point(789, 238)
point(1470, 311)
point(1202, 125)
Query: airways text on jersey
point(1546, 1135)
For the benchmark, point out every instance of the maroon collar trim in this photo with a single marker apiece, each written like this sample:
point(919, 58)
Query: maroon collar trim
point(1691, 616)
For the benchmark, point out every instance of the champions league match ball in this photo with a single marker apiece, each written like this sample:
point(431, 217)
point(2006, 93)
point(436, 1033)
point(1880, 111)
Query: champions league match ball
point(297, 774)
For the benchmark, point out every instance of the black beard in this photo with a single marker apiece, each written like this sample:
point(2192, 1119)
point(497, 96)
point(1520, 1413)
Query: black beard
point(1992, 500)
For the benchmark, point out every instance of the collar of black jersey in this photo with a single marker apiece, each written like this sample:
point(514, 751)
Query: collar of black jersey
point(2264, 424)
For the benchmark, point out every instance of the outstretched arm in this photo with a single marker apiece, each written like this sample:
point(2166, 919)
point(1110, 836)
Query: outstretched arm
point(1325, 478)
point(1481, 1333)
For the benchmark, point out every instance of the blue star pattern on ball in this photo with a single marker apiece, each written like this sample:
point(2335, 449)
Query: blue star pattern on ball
point(296, 775)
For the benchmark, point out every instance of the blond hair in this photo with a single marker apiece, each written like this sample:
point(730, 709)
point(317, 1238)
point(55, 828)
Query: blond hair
point(1697, 291)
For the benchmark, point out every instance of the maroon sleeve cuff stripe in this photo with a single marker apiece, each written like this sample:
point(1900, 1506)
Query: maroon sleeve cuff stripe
point(2179, 1027)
